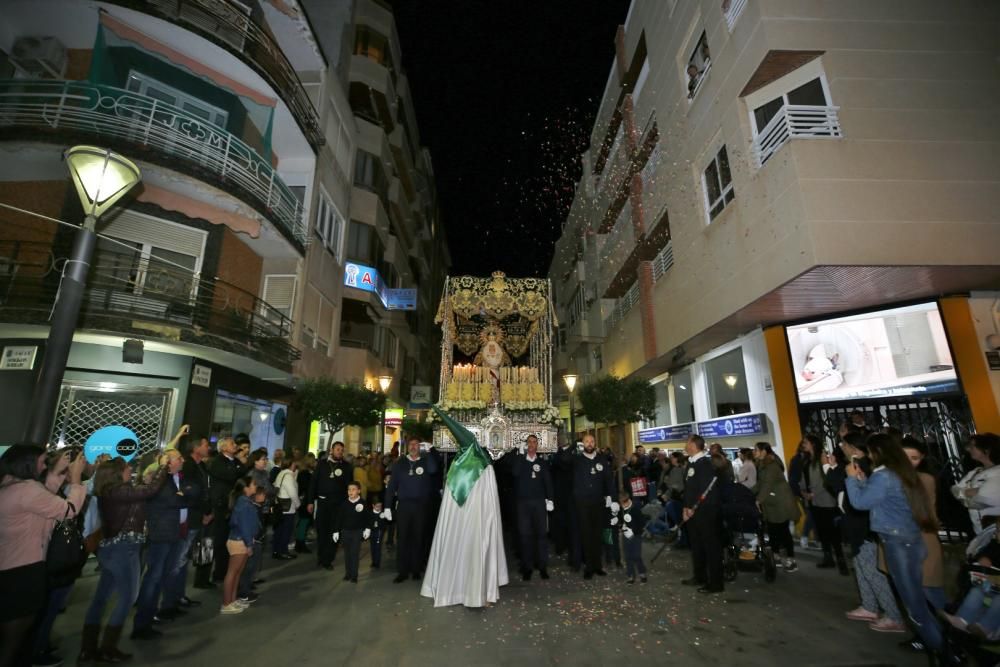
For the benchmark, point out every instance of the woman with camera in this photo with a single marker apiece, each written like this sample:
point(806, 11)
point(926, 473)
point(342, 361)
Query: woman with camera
point(29, 511)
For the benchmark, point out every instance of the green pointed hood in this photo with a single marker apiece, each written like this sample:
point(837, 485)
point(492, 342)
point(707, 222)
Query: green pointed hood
point(471, 461)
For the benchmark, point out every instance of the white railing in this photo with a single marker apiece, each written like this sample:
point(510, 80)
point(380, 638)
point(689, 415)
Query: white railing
point(622, 308)
point(795, 121)
point(663, 261)
point(736, 8)
point(146, 125)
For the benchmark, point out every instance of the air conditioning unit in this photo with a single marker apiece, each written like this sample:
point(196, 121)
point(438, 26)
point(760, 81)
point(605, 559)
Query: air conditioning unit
point(39, 57)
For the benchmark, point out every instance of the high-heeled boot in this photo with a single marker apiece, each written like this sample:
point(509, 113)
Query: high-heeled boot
point(109, 647)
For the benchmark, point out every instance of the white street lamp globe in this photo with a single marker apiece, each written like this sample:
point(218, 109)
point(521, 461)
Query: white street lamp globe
point(570, 381)
point(384, 381)
point(100, 176)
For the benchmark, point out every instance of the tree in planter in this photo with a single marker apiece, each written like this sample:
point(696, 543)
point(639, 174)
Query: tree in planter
point(615, 401)
point(418, 429)
point(338, 405)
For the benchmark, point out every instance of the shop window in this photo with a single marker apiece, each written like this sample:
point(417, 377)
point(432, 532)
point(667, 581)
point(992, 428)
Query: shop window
point(718, 183)
point(727, 384)
point(683, 397)
point(698, 65)
point(662, 392)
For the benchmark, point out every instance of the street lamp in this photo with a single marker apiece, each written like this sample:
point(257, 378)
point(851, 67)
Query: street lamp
point(383, 382)
point(570, 381)
point(101, 178)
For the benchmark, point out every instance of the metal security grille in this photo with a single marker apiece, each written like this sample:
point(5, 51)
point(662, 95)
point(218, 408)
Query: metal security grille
point(83, 409)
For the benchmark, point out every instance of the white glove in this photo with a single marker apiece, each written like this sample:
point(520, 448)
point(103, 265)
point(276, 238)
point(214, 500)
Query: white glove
point(336, 537)
point(614, 521)
point(366, 533)
point(614, 508)
point(607, 501)
point(387, 514)
point(627, 532)
point(549, 506)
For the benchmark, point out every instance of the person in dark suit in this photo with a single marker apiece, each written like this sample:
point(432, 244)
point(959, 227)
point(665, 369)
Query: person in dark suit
point(592, 489)
point(565, 526)
point(534, 493)
point(703, 517)
point(412, 484)
point(223, 471)
point(327, 490)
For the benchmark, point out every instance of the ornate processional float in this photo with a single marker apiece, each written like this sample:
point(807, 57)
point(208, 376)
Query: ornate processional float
point(496, 361)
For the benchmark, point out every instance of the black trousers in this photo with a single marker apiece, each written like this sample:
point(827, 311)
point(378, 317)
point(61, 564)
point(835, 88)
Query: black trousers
point(220, 533)
point(411, 521)
point(592, 518)
point(826, 529)
point(531, 524)
point(781, 538)
point(326, 548)
point(705, 535)
point(351, 541)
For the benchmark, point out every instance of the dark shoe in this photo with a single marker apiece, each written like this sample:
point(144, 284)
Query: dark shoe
point(259, 581)
point(169, 614)
point(301, 548)
point(145, 633)
point(376, 566)
point(912, 644)
point(188, 602)
point(354, 580)
point(109, 646)
point(327, 567)
point(249, 599)
point(544, 574)
point(400, 578)
point(643, 579)
point(347, 577)
point(692, 582)
point(842, 568)
point(588, 575)
point(88, 644)
point(600, 573)
point(710, 589)
point(630, 580)
point(525, 575)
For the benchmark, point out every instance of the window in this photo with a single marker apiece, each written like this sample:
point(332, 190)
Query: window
point(662, 393)
point(391, 349)
point(698, 66)
point(150, 87)
point(718, 183)
point(727, 384)
point(810, 93)
point(683, 396)
point(363, 244)
point(330, 226)
point(373, 45)
point(641, 81)
point(370, 175)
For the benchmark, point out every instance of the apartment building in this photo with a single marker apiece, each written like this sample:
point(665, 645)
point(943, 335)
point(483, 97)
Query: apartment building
point(788, 213)
point(396, 253)
point(213, 265)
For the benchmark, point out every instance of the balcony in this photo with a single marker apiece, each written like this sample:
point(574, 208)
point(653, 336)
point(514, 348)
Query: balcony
point(795, 121)
point(130, 295)
point(147, 129)
point(228, 24)
point(621, 308)
point(732, 9)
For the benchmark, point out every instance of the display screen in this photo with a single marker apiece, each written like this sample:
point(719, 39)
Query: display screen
point(896, 352)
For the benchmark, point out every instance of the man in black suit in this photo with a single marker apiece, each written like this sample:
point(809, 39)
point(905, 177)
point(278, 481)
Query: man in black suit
point(534, 493)
point(703, 517)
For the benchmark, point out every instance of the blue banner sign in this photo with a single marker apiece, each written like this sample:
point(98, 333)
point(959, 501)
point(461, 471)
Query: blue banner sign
point(678, 432)
point(401, 299)
point(113, 440)
point(730, 427)
point(367, 278)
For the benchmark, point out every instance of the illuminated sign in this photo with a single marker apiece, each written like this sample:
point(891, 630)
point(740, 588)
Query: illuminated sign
point(112, 440)
point(367, 278)
point(394, 417)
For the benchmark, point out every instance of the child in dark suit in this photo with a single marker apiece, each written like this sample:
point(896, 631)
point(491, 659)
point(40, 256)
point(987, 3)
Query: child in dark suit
point(351, 526)
point(632, 522)
point(375, 543)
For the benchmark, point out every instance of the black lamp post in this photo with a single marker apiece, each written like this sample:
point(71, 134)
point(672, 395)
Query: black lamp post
point(101, 179)
point(570, 381)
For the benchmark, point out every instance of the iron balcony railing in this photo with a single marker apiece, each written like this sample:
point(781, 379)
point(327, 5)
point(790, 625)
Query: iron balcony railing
point(795, 121)
point(147, 128)
point(131, 294)
point(622, 308)
point(229, 24)
point(663, 261)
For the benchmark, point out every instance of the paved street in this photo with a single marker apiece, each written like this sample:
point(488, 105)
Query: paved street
point(309, 617)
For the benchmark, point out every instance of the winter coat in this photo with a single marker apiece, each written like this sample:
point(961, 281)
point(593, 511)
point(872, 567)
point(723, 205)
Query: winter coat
point(774, 493)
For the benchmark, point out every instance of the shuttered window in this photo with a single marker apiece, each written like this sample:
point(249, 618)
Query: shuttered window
point(149, 231)
point(279, 293)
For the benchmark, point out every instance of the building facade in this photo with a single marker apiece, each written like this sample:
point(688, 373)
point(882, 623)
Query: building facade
point(787, 213)
point(228, 263)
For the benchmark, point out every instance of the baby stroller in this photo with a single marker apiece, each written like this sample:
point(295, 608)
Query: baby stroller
point(746, 545)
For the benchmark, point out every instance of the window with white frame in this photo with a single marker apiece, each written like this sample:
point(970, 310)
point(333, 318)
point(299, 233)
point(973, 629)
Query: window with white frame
point(330, 225)
point(641, 80)
point(717, 181)
point(698, 65)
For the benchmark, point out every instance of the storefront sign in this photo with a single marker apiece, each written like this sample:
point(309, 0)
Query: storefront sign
point(420, 396)
point(729, 427)
point(394, 417)
point(201, 376)
point(114, 440)
point(675, 433)
point(401, 299)
point(18, 357)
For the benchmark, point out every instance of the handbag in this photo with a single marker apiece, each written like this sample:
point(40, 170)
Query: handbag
point(203, 551)
point(66, 555)
point(282, 505)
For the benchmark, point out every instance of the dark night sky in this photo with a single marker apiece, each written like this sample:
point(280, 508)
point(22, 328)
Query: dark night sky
point(505, 93)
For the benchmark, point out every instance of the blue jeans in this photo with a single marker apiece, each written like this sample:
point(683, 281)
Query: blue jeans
point(974, 609)
point(175, 584)
point(57, 600)
point(633, 555)
point(283, 534)
point(161, 559)
point(119, 576)
point(905, 558)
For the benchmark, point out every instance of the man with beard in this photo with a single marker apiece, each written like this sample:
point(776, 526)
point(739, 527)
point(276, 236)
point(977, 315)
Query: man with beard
point(412, 484)
point(592, 489)
point(533, 492)
point(327, 490)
